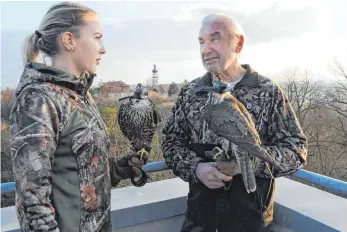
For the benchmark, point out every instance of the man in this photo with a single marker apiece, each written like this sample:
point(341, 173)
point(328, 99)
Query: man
point(187, 137)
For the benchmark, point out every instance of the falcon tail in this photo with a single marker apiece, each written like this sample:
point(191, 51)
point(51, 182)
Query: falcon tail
point(261, 153)
point(247, 173)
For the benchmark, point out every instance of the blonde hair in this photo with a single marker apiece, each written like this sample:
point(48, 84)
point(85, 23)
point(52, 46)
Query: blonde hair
point(60, 18)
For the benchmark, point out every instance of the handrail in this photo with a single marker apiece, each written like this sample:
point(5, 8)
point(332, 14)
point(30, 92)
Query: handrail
point(326, 182)
point(8, 187)
point(331, 184)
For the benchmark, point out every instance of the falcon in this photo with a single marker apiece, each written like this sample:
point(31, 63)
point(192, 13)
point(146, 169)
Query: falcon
point(138, 119)
point(228, 118)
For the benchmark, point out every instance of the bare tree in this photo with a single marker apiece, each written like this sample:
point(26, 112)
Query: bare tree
point(173, 89)
point(320, 111)
point(7, 97)
point(339, 102)
point(303, 92)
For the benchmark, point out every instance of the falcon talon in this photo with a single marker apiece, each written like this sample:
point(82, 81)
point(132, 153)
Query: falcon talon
point(220, 152)
point(141, 152)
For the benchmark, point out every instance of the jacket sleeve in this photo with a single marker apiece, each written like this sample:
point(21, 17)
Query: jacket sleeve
point(182, 160)
point(285, 141)
point(34, 126)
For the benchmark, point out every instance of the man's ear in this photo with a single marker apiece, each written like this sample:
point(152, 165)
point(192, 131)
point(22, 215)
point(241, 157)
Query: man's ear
point(240, 42)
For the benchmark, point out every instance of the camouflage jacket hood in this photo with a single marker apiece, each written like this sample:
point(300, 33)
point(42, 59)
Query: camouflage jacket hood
point(273, 116)
point(59, 148)
point(40, 73)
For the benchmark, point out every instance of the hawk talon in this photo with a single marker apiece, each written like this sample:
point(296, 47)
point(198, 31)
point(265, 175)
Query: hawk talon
point(141, 152)
point(220, 152)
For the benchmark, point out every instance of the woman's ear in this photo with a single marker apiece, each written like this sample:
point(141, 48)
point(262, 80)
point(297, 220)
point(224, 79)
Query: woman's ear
point(68, 41)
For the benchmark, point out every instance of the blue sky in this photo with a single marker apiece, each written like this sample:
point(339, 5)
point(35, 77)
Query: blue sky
point(280, 35)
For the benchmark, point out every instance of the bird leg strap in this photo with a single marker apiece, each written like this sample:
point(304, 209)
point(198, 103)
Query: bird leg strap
point(143, 160)
point(140, 182)
point(128, 166)
point(227, 184)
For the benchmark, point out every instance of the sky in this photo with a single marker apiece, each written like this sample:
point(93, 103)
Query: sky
point(280, 34)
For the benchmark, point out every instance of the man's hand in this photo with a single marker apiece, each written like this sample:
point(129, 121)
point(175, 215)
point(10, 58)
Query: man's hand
point(223, 162)
point(210, 176)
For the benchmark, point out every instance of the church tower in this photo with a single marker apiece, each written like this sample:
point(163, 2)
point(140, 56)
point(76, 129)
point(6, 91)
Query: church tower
point(155, 76)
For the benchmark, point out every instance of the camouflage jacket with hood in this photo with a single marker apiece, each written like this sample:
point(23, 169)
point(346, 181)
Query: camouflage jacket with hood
point(274, 119)
point(59, 148)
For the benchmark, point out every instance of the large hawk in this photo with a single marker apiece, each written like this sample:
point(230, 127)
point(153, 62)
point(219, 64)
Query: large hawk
point(228, 118)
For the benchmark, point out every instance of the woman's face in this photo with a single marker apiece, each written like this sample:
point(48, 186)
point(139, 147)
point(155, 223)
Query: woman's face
point(88, 47)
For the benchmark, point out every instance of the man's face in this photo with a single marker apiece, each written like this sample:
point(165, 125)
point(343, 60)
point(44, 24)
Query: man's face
point(217, 46)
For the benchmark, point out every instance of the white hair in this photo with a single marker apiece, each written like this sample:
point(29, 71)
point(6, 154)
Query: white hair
point(233, 26)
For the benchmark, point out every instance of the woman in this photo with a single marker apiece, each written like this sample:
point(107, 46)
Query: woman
point(59, 144)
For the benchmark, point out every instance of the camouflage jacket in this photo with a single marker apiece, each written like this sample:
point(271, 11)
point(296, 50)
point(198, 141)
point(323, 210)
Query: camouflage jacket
point(59, 148)
point(275, 121)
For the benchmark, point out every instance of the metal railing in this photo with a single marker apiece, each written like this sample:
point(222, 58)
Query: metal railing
point(331, 184)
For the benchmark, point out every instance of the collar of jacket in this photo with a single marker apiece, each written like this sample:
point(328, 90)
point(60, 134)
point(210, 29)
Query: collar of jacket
point(251, 79)
point(38, 72)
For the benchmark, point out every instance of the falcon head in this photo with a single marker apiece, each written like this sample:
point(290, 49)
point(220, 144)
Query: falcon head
point(140, 92)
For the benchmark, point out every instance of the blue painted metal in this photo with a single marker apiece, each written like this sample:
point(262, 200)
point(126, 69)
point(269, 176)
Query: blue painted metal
point(150, 167)
point(155, 167)
point(329, 183)
point(326, 182)
point(8, 187)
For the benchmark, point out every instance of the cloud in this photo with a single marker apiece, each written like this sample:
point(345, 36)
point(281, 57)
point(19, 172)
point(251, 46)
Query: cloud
point(268, 24)
point(194, 12)
point(11, 51)
point(18, 28)
point(113, 22)
point(280, 35)
point(305, 51)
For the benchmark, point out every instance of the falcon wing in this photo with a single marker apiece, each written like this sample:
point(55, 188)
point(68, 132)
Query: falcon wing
point(156, 116)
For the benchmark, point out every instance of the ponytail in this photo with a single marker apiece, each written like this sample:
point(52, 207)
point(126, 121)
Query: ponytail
point(30, 50)
point(62, 17)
